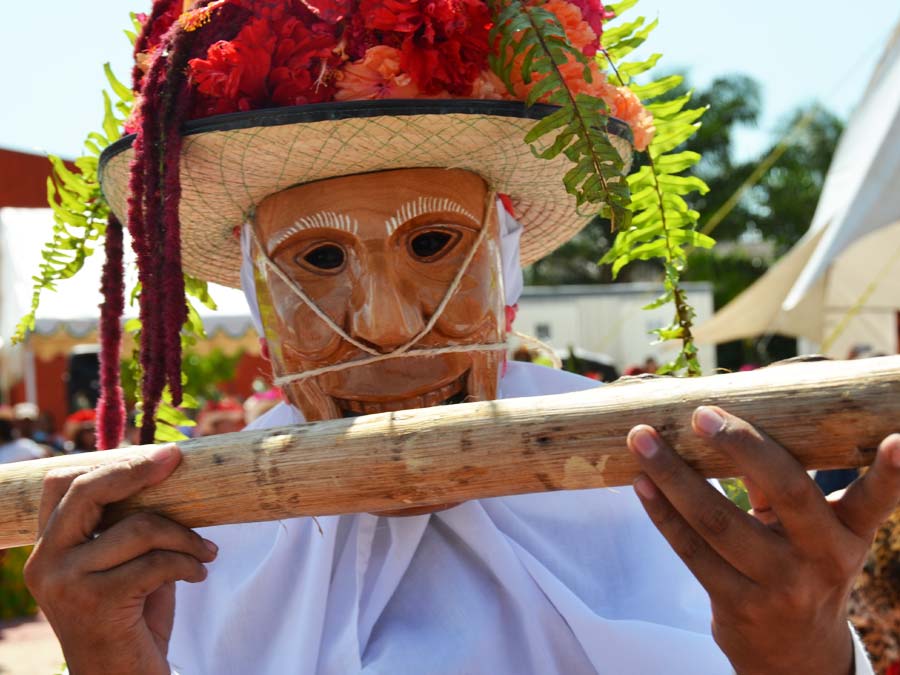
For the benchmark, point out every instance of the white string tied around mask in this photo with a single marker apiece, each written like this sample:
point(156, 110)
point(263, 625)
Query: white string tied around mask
point(405, 350)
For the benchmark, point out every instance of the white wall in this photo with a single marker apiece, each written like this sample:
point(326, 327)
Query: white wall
point(608, 318)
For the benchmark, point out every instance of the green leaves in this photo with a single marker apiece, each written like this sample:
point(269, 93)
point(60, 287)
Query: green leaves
point(532, 45)
point(80, 216)
point(649, 208)
point(663, 224)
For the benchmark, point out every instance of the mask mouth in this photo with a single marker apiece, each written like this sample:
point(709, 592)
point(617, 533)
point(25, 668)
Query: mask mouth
point(450, 393)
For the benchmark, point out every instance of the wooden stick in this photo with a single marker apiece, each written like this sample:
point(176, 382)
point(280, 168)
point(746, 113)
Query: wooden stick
point(830, 414)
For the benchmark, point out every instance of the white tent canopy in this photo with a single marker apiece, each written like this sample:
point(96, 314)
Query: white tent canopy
point(840, 285)
point(70, 315)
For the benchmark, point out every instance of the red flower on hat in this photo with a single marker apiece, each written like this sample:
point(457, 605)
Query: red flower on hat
point(397, 16)
point(233, 75)
point(303, 63)
point(294, 52)
point(329, 11)
point(161, 24)
point(272, 61)
point(450, 49)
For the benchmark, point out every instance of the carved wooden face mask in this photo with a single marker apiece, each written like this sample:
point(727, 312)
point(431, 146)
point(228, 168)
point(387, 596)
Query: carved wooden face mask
point(382, 291)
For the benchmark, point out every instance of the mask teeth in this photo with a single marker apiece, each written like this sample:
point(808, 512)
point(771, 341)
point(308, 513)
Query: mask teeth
point(441, 396)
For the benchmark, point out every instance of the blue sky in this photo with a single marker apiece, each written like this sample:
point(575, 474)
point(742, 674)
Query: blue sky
point(801, 50)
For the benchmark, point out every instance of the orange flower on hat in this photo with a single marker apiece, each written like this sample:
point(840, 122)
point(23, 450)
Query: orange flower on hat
point(578, 31)
point(581, 36)
point(490, 87)
point(376, 75)
point(624, 104)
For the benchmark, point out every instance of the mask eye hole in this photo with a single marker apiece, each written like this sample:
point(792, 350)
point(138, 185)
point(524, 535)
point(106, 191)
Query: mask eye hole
point(432, 244)
point(326, 258)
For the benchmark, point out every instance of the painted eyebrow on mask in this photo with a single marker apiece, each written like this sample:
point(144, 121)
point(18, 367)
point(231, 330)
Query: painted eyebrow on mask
point(338, 221)
point(423, 205)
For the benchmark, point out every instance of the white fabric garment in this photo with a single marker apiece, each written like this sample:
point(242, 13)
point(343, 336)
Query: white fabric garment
point(563, 582)
point(510, 234)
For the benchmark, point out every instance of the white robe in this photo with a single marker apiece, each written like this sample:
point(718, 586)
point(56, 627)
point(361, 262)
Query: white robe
point(563, 582)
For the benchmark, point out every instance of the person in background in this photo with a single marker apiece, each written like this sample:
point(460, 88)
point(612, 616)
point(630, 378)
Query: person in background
point(80, 433)
point(13, 449)
point(260, 403)
point(28, 426)
point(45, 432)
point(523, 354)
point(26, 415)
point(220, 417)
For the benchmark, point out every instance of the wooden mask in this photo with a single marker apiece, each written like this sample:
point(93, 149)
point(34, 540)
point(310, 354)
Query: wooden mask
point(375, 256)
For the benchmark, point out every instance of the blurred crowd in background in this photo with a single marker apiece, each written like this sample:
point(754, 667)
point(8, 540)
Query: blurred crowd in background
point(28, 433)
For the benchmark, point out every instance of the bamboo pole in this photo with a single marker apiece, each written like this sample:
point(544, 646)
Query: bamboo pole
point(830, 414)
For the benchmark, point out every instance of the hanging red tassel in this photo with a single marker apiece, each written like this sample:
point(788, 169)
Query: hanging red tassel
point(111, 406)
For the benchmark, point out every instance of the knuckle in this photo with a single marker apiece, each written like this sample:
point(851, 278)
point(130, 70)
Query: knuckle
point(156, 559)
point(196, 541)
point(796, 600)
point(162, 566)
point(32, 575)
point(754, 609)
point(47, 586)
point(841, 567)
point(664, 517)
point(688, 546)
point(797, 494)
point(58, 480)
point(716, 520)
point(143, 525)
point(81, 486)
point(138, 464)
point(668, 472)
point(740, 434)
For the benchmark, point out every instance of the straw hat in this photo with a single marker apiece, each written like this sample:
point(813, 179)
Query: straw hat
point(239, 99)
point(231, 162)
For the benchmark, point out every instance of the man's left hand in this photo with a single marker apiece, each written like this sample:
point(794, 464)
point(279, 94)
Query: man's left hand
point(778, 577)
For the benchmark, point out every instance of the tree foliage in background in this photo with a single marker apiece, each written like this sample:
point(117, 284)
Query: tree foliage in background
point(203, 374)
point(764, 224)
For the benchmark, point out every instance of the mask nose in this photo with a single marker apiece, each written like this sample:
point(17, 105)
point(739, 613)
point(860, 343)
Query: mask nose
point(385, 319)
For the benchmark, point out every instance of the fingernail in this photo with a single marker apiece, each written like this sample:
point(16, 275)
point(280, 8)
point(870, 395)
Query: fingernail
point(644, 442)
point(894, 441)
point(644, 487)
point(162, 454)
point(707, 421)
point(211, 546)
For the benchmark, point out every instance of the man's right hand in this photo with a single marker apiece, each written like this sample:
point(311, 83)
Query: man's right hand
point(110, 597)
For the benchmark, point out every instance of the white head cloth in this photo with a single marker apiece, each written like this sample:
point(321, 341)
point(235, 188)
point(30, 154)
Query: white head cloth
point(510, 234)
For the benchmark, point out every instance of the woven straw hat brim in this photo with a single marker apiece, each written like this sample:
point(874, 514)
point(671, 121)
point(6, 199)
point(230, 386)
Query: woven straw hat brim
point(230, 163)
